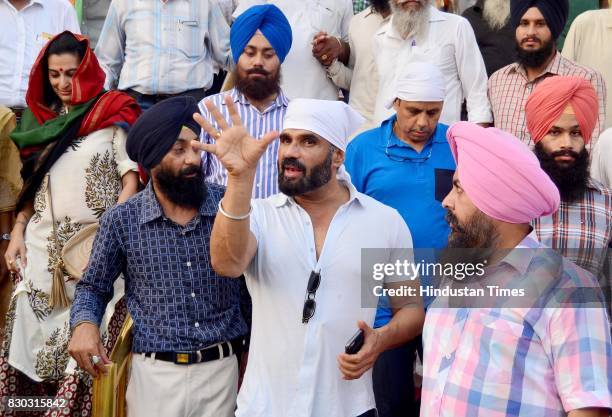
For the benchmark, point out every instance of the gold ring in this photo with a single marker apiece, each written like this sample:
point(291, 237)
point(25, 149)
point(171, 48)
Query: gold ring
point(324, 57)
point(218, 135)
point(10, 262)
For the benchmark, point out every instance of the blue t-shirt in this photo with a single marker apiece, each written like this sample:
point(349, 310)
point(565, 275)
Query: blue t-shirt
point(414, 183)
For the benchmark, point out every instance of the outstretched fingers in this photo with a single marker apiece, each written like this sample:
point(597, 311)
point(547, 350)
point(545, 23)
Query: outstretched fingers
point(216, 114)
point(268, 138)
point(206, 147)
point(206, 126)
point(233, 112)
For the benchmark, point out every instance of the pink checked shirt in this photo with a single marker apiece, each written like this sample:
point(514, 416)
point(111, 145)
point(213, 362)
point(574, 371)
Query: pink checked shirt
point(509, 91)
point(502, 362)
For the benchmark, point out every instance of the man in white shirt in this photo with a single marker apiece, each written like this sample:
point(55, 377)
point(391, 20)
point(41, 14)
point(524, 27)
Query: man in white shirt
point(588, 43)
point(25, 27)
point(154, 50)
point(303, 75)
point(418, 32)
point(302, 253)
point(360, 76)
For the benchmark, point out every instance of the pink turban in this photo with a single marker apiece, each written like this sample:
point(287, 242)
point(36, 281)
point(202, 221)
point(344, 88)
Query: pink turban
point(500, 174)
point(550, 98)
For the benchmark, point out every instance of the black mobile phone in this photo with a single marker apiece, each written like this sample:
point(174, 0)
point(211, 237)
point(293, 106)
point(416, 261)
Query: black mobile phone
point(355, 343)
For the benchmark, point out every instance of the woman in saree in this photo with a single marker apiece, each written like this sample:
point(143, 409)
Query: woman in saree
point(72, 143)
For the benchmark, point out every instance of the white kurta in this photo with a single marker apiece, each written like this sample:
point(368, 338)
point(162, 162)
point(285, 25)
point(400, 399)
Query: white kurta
point(450, 44)
point(85, 181)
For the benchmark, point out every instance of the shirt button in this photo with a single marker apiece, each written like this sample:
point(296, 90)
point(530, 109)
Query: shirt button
point(197, 324)
point(258, 185)
point(448, 356)
point(193, 295)
point(188, 263)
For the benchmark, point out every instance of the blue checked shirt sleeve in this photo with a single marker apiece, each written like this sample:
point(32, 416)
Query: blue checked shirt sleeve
point(110, 49)
point(95, 289)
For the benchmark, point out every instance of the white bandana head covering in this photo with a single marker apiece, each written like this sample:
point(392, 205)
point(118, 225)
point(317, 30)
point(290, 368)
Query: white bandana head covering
point(420, 81)
point(335, 121)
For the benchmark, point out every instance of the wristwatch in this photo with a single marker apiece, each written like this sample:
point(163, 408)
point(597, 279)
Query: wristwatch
point(6, 236)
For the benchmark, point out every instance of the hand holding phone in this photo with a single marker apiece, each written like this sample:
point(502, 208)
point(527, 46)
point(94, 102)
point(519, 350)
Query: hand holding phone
point(355, 343)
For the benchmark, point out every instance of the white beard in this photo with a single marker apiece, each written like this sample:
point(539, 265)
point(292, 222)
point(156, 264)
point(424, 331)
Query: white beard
point(496, 13)
point(409, 23)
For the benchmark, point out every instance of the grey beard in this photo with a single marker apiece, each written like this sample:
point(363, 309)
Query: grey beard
point(410, 23)
point(496, 13)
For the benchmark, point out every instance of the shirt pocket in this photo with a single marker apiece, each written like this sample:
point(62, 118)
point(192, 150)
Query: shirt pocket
point(324, 18)
point(188, 35)
point(503, 343)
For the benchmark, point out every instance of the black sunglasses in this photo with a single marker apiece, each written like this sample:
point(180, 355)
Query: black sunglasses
point(310, 305)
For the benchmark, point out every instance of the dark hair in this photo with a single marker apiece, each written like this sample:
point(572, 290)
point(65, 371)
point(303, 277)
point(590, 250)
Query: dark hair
point(65, 43)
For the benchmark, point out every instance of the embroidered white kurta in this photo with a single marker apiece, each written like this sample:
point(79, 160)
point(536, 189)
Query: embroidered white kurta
point(85, 181)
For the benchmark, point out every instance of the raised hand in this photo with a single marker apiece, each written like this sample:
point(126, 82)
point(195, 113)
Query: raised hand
point(237, 151)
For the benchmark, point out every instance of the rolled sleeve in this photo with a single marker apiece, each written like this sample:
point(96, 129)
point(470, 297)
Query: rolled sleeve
point(124, 163)
point(581, 353)
point(95, 289)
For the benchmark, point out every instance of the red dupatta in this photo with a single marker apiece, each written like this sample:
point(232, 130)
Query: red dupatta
point(111, 108)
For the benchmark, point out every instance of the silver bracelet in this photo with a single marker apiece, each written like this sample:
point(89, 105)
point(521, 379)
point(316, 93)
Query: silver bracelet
point(229, 216)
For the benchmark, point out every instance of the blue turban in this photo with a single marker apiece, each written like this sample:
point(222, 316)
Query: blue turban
point(157, 129)
point(555, 13)
point(270, 21)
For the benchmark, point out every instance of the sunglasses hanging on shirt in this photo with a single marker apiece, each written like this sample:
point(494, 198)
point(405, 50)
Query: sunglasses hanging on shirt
point(310, 305)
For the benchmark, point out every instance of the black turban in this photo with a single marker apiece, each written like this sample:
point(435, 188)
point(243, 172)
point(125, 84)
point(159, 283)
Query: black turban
point(554, 11)
point(156, 131)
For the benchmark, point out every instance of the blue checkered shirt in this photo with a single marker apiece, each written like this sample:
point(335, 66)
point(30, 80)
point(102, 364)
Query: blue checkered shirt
point(176, 299)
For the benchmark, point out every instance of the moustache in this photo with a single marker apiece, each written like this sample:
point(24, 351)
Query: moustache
point(531, 39)
point(452, 221)
point(189, 171)
point(292, 163)
point(565, 152)
point(258, 71)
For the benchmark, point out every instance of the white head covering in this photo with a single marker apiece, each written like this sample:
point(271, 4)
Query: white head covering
point(335, 121)
point(421, 81)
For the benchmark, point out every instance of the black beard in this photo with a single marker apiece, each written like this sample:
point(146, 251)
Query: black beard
point(318, 177)
point(477, 239)
point(259, 88)
point(181, 190)
point(380, 6)
point(535, 59)
point(571, 180)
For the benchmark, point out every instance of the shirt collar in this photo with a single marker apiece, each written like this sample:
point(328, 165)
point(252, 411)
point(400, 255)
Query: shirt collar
point(389, 136)
point(39, 2)
point(151, 209)
point(371, 12)
point(520, 258)
point(553, 67)
point(238, 97)
point(281, 199)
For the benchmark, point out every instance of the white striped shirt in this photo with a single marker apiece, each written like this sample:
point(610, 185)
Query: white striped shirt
point(257, 124)
point(157, 47)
